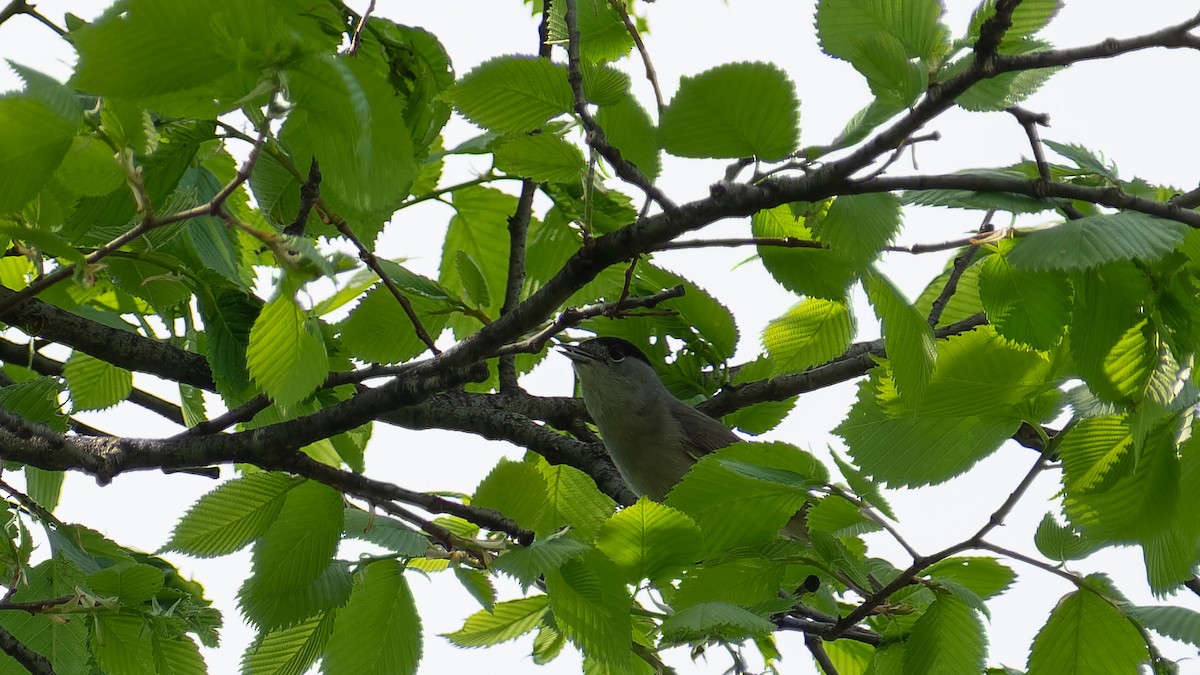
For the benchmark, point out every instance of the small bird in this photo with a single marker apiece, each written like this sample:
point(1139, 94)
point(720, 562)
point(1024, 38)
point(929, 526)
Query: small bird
point(652, 437)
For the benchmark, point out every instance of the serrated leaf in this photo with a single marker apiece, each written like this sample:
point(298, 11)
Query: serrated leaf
point(649, 541)
point(527, 563)
point(745, 493)
point(839, 517)
point(65, 643)
point(286, 354)
point(591, 607)
point(289, 651)
point(515, 489)
point(1177, 623)
point(506, 621)
point(380, 314)
point(907, 336)
point(986, 577)
point(512, 94)
point(572, 499)
point(810, 333)
point(816, 272)
point(228, 318)
point(948, 639)
point(36, 400)
point(472, 279)
point(841, 25)
point(131, 583)
point(901, 451)
point(630, 130)
point(478, 228)
point(149, 281)
point(33, 142)
point(1027, 19)
point(1092, 241)
point(543, 158)
point(379, 630)
point(232, 515)
point(384, 531)
point(478, 584)
point(731, 111)
point(95, 384)
point(857, 227)
point(709, 620)
point(1028, 307)
point(1086, 635)
point(1057, 542)
point(348, 117)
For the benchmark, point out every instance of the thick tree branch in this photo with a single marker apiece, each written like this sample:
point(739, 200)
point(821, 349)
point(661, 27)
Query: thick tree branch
point(30, 660)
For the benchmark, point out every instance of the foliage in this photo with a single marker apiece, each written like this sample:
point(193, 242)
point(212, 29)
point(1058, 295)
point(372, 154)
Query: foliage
point(136, 239)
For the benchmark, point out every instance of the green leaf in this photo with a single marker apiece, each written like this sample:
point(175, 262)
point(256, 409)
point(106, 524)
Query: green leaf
point(544, 158)
point(547, 644)
point(347, 116)
point(515, 489)
point(150, 281)
point(816, 272)
point(1006, 89)
point(478, 584)
point(649, 541)
point(33, 142)
point(37, 401)
point(1057, 542)
point(809, 334)
point(745, 493)
point(379, 630)
point(572, 499)
point(591, 607)
point(119, 646)
point(1177, 623)
point(44, 487)
point(978, 374)
point(380, 314)
point(1092, 241)
point(1113, 346)
point(603, 85)
point(384, 531)
point(1085, 635)
point(630, 130)
point(907, 336)
point(527, 563)
point(948, 639)
point(900, 451)
point(986, 577)
point(1028, 307)
point(983, 201)
point(479, 229)
point(293, 578)
point(232, 515)
point(602, 33)
point(731, 111)
point(708, 620)
point(512, 94)
point(228, 318)
point(839, 517)
point(843, 24)
point(857, 227)
point(65, 643)
point(698, 309)
point(473, 282)
point(89, 168)
point(1026, 20)
point(289, 651)
point(893, 78)
point(286, 355)
point(131, 583)
point(95, 384)
point(506, 621)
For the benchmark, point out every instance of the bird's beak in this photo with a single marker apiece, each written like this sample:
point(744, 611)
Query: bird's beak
point(576, 353)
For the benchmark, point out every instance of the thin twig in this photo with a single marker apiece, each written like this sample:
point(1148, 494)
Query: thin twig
point(961, 263)
point(595, 135)
point(899, 151)
point(574, 315)
point(356, 39)
point(651, 75)
point(1030, 121)
point(816, 647)
point(369, 259)
point(784, 242)
point(310, 191)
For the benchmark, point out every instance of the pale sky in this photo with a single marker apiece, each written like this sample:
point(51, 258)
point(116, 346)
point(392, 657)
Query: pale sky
point(1139, 110)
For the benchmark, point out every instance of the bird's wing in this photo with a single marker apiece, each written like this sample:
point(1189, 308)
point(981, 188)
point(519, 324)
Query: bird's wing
point(705, 433)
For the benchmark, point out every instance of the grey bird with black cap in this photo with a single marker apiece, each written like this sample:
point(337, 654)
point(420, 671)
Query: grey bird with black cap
point(652, 437)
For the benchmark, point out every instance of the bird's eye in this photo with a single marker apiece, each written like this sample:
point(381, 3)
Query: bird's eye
point(616, 354)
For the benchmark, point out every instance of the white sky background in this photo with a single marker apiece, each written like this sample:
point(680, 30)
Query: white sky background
point(1138, 109)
